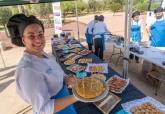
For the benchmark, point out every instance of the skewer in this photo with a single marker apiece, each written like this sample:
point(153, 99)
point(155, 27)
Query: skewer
point(83, 82)
point(92, 78)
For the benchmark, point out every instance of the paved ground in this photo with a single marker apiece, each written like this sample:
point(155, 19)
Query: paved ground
point(12, 104)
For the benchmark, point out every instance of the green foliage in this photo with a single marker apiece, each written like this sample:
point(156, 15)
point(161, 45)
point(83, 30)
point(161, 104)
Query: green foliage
point(100, 6)
point(141, 6)
point(92, 5)
point(81, 6)
point(14, 10)
point(155, 5)
point(5, 14)
point(67, 7)
point(41, 10)
point(115, 7)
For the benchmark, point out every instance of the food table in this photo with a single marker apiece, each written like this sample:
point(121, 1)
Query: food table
point(129, 94)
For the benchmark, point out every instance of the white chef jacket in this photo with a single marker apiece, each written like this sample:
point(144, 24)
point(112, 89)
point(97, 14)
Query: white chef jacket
point(37, 79)
point(90, 26)
point(99, 28)
point(151, 20)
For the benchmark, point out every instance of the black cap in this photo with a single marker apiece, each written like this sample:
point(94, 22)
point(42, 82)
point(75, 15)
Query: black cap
point(158, 10)
point(17, 24)
point(136, 13)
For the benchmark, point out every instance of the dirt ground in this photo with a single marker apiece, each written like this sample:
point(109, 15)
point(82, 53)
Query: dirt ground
point(11, 102)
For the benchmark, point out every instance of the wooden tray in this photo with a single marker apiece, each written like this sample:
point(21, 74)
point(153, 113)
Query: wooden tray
point(108, 103)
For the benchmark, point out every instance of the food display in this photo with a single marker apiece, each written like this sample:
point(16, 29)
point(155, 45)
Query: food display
point(69, 62)
point(85, 60)
point(90, 89)
point(99, 76)
point(66, 51)
point(75, 68)
point(75, 50)
point(145, 108)
point(84, 52)
point(71, 55)
point(97, 68)
point(60, 46)
point(146, 105)
point(75, 46)
point(76, 57)
point(66, 47)
point(117, 84)
point(107, 103)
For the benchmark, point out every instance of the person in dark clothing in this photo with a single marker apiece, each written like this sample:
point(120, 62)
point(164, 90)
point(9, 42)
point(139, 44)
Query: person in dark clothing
point(99, 31)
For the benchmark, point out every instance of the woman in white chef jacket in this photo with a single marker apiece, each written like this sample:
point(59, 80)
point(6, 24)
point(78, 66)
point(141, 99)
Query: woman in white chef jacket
point(39, 79)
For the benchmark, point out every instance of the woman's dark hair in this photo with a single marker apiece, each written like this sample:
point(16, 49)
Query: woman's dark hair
point(96, 17)
point(101, 18)
point(17, 24)
point(136, 13)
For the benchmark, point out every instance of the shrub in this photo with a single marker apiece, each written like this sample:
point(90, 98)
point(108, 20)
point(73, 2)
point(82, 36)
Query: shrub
point(115, 7)
point(141, 6)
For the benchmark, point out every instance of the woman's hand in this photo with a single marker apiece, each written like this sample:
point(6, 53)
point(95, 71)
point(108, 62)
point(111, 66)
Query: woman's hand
point(70, 80)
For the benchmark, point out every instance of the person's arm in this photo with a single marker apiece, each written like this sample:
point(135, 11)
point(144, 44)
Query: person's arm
point(141, 28)
point(64, 102)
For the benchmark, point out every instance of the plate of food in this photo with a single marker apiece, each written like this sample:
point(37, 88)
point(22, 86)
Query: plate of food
point(75, 46)
point(117, 84)
point(69, 62)
point(85, 60)
point(97, 67)
point(75, 68)
point(76, 56)
point(71, 55)
point(90, 89)
point(75, 50)
point(99, 76)
point(84, 52)
point(146, 105)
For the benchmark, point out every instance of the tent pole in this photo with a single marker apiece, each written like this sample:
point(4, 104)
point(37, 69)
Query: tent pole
point(2, 58)
point(128, 14)
point(125, 67)
point(78, 31)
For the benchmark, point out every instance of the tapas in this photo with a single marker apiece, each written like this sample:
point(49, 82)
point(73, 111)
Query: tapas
point(75, 68)
point(117, 84)
point(84, 52)
point(69, 62)
point(85, 60)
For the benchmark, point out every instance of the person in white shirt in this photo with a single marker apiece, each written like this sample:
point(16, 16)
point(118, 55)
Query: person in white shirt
point(39, 78)
point(99, 30)
point(89, 32)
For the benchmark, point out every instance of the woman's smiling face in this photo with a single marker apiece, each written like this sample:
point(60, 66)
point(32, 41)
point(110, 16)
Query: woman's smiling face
point(34, 39)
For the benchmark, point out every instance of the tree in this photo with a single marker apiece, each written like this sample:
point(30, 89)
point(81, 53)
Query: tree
point(116, 5)
point(141, 5)
point(5, 14)
point(92, 5)
point(41, 10)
